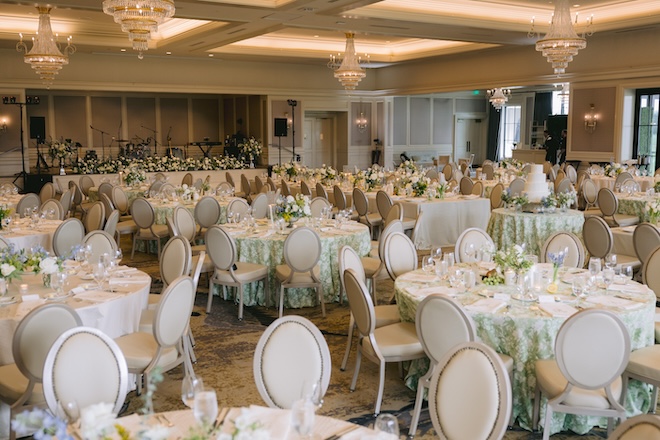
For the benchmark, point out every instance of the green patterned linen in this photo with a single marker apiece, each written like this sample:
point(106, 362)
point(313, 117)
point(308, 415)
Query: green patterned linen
point(131, 193)
point(634, 205)
point(527, 334)
point(265, 246)
point(508, 227)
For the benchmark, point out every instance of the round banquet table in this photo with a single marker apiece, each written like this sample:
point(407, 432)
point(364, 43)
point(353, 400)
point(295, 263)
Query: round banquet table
point(645, 182)
point(115, 313)
point(273, 420)
point(22, 235)
point(265, 246)
point(132, 193)
point(527, 333)
point(509, 227)
point(165, 209)
point(635, 205)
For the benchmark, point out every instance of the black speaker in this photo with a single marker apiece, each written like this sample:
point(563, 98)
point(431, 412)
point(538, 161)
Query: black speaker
point(280, 127)
point(37, 127)
point(34, 182)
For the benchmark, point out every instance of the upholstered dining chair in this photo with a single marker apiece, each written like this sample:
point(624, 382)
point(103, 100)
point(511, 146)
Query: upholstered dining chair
point(157, 187)
point(642, 426)
point(478, 188)
point(79, 204)
point(470, 394)
point(371, 219)
point(101, 243)
point(224, 187)
point(86, 183)
point(271, 183)
point(175, 261)
point(466, 185)
point(260, 206)
point(258, 184)
point(230, 179)
point(646, 238)
point(302, 252)
point(184, 224)
point(187, 179)
point(111, 224)
point(85, 366)
point(164, 346)
point(599, 242)
point(391, 343)
point(95, 217)
point(562, 186)
point(291, 354)
point(20, 382)
point(385, 314)
point(246, 188)
point(394, 213)
point(145, 219)
point(197, 184)
point(108, 206)
point(651, 277)
point(68, 234)
point(159, 176)
point(30, 200)
point(477, 237)
point(228, 271)
point(496, 196)
point(341, 203)
point(105, 188)
point(517, 186)
point(120, 200)
point(433, 174)
point(66, 200)
point(317, 205)
point(561, 240)
point(488, 170)
point(286, 191)
point(47, 192)
point(609, 205)
point(55, 205)
point(591, 352)
point(164, 188)
point(400, 255)
point(590, 196)
point(622, 177)
point(305, 189)
point(238, 206)
point(384, 203)
point(441, 324)
point(448, 171)
point(207, 213)
point(320, 191)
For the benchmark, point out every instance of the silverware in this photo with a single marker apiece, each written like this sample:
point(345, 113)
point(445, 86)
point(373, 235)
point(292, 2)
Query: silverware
point(343, 432)
point(165, 420)
point(221, 417)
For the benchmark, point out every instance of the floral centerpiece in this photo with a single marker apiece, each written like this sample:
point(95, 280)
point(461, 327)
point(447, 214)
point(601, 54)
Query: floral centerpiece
point(511, 164)
point(437, 189)
point(5, 212)
point(245, 428)
point(325, 174)
point(408, 166)
point(292, 208)
point(516, 200)
point(614, 169)
point(513, 258)
point(15, 262)
point(251, 149)
point(12, 262)
point(566, 199)
point(287, 170)
point(153, 164)
point(134, 176)
point(419, 184)
point(373, 177)
point(60, 149)
point(550, 201)
point(652, 209)
point(557, 260)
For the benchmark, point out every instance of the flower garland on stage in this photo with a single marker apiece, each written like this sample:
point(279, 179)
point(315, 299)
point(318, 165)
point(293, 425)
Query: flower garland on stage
point(156, 164)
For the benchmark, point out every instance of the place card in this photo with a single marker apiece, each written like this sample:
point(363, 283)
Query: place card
point(486, 305)
point(31, 297)
point(557, 310)
point(613, 301)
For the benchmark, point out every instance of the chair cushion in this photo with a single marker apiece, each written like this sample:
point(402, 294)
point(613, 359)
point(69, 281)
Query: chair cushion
point(626, 219)
point(140, 348)
point(628, 260)
point(245, 272)
point(147, 320)
point(160, 231)
point(127, 227)
point(552, 383)
point(387, 314)
point(207, 265)
point(13, 384)
point(646, 362)
point(371, 266)
point(282, 272)
point(396, 341)
point(374, 218)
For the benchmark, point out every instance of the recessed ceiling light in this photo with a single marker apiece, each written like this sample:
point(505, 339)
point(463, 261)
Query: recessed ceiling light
point(168, 53)
point(211, 55)
point(316, 36)
point(123, 50)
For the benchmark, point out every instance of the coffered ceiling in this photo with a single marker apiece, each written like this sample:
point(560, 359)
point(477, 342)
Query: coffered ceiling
point(308, 31)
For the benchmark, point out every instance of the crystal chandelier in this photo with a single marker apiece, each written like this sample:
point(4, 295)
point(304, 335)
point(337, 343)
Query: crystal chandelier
point(348, 71)
point(139, 18)
point(561, 43)
point(498, 97)
point(45, 57)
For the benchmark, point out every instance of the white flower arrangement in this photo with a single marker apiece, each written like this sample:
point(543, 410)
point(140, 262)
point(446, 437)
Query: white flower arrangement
point(157, 164)
point(614, 169)
point(567, 198)
point(49, 266)
point(245, 429)
point(288, 170)
point(513, 258)
point(292, 208)
point(251, 148)
point(60, 149)
point(408, 166)
point(134, 175)
point(325, 174)
point(652, 208)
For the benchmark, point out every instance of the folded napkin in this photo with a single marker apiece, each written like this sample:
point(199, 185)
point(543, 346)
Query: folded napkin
point(629, 288)
point(419, 277)
point(470, 196)
point(629, 229)
point(486, 305)
point(435, 290)
point(135, 280)
point(98, 295)
point(557, 310)
point(127, 271)
point(613, 301)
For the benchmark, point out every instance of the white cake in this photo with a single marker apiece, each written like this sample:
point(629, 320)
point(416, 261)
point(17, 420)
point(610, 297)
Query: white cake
point(536, 187)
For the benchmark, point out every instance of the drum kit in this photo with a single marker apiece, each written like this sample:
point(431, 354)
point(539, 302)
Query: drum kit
point(136, 148)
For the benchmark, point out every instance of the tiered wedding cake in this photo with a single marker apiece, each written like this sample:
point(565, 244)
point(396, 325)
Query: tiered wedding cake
point(536, 187)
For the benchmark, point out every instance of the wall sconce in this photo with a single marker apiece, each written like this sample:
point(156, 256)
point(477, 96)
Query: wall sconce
point(591, 120)
point(361, 122)
point(289, 120)
point(3, 126)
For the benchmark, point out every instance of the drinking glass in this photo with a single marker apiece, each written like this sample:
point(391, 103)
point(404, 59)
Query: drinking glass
point(302, 417)
point(57, 280)
point(610, 261)
point(456, 278)
point(449, 258)
point(312, 391)
point(441, 268)
point(627, 272)
point(190, 386)
point(428, 265)
point(98, 272)
point(608, 277)
point(594, 266)
point(578, 286)
point(7, 223)
point(230, 217)
point(437, 253)
point(470, 279)
point(387, 423)
point(69, 411)
point(470, 251)
point(205, 407)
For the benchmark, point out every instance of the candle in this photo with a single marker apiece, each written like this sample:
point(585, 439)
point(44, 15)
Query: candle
point(23, 289)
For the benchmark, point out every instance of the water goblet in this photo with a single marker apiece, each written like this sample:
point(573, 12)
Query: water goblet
point(230, 217)
point(449, 258)
point(98, 272)
point(57, 281)
point(205, 407)
point(437, 253)
point(470, 251)
point(302, 417)
point(456, 278)
point(608, 277)
point(6, 222)
point(190, 386)
point(428, 265)
point(313, 391)
point(594, 266)
point(610, 261)
point(627, 272)
point(578, 286)
point(387, 423)
point(69, 411)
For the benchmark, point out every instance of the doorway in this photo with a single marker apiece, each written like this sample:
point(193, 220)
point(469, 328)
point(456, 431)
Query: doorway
point(321, 140)
point(468, 139)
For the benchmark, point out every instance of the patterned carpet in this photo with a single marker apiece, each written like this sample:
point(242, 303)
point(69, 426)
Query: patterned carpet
point(225, 347)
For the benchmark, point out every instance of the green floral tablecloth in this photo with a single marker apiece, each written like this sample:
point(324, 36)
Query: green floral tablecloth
point(508, 227)
point(131, 193)
point(527, 334)
point(634, 205)
point(266, 246)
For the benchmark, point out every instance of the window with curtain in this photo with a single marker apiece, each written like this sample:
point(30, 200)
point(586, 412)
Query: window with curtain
point(647, 112)
point(509, 130)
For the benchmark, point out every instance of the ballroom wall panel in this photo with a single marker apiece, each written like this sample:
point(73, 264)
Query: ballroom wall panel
point(205, 119)
point(106, 116)
point(174, 116)
point(602, 139)
point(70, 118)
point(141, 118)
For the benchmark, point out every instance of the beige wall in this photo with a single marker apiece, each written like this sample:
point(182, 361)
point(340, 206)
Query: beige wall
point(602, 139)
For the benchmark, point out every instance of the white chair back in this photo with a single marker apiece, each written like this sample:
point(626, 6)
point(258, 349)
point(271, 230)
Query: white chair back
point(260, 206)
point(30, 200)
point(291, 353)
point(597, 236)
point(53, 206)
point(651, 272)
point(87, 367)
point(95, 217)
point(645, 239)
point(400, 254)
point(220, 247)
point(384, 203)
point(475, 236)
point(68, 234)
point(175, 259)
point(642, 426)
point(317, 205)
point(184, 223)
point(564, 240)
point(173, 312)
point(101, 243)
point(320, 191)
point(470, 379)
point(111, 223)
point(238, 206)
point(517, 186)
point(207, 211)
point(302, 249)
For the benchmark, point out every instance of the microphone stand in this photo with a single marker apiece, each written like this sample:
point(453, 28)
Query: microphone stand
point(102, 141)
point(155, 141)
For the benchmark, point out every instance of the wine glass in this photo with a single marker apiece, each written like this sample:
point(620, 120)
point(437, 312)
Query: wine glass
point(608, 277)
point(313, 391)
point(627, 272)
point(594, 266)
point(449, 258)
point(69, 410)
point(428, 265)
point(205, 407)
point(387, 423)
point(98, 272)
point(578, 286)
point(610, 261)
point(230, 217)
point(118, 256)
point(470, 251)
point(57, 280)
point(302, 417)
point(7, 223)
point(190, 386)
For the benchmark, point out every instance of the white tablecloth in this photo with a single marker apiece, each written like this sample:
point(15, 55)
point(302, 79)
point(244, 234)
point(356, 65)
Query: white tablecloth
point(23, 236)
point(608, 182)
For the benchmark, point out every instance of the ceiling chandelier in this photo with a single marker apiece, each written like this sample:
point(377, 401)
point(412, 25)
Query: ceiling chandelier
point(45, 57)
point(348, 71)
point(561, 43)
point(498, 97)
point(139, 18)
